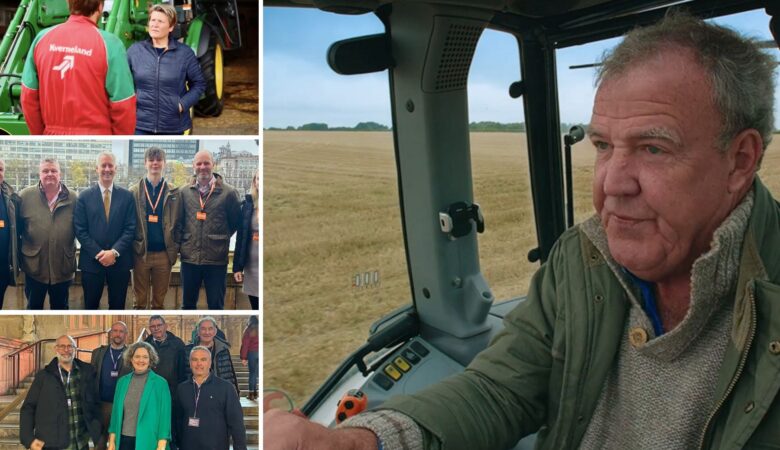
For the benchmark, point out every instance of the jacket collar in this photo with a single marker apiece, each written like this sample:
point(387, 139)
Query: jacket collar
point(172, 44)
point(168, 185)
point(74, 18)
point(54, 365)
point(764, 225)
point(760, 260)
point(6, 189)
point(219, 345)
point(209, 379)
point(218, 180)
point(168, 338)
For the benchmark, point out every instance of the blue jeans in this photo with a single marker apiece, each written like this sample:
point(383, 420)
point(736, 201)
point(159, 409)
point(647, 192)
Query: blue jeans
point(36, 291)
point(213, 277)
point(254, 370)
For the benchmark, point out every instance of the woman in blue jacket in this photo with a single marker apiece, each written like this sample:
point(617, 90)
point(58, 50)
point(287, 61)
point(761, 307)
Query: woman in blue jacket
point(167, 76)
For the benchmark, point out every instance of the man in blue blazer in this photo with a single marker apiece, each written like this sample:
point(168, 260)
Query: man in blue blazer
point(104, 222)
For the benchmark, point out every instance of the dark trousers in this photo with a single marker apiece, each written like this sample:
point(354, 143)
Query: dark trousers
point(127, 442)
point(254, 301)
point(144, 133)
point(213, 277)
point(36, 291)
point(105, 416)
point(117, 282)
point(253, 361)
point(4, 282)
point(173, 444)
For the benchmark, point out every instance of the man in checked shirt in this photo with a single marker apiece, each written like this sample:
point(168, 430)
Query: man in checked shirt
point(61, 409)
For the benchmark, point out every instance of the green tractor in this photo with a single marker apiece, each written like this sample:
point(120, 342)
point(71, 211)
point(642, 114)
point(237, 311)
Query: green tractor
point(208, 27)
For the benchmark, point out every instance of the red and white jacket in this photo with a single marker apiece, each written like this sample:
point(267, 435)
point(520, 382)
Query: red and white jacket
point(76, 80)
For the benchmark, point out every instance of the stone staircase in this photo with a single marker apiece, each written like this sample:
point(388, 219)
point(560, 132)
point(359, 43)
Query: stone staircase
point(251, 408)
point(9, 425)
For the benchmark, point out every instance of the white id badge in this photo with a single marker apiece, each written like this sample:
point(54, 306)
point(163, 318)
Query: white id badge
point(69, 403)
point(194, 422)
point(114, 373)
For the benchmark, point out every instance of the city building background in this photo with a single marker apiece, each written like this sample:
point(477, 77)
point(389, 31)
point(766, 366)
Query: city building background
point(236, 160)
point(77, 160)
point(236, 167)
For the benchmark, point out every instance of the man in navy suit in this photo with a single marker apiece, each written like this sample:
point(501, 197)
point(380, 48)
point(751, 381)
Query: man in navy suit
point(104, 221)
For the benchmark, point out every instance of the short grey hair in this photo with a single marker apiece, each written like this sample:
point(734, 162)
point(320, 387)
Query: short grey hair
point(127, 355)
point(50, 160)
point(199, 347)
point(742, 76)
point(157, 317)
point(70, 338)
point(105, 153)
point(204, 319)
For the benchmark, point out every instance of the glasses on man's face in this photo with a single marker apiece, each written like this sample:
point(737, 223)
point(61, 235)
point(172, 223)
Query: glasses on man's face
point(64, 347)
point(155, 327)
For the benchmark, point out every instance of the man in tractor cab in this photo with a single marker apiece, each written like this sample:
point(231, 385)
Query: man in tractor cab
point(76, 78)
point(653, 324)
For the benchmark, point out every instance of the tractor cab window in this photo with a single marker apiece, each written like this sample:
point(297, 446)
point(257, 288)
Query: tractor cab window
point(334, 258)
point(499, 155)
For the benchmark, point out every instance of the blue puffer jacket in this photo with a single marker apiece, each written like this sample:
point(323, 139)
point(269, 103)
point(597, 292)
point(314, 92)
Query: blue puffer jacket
point(161, 85)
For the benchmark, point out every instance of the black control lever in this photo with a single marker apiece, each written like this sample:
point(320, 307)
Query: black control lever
point(576, 134)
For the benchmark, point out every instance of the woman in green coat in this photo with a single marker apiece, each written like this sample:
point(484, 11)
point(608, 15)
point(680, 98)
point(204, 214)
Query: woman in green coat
point(141, 416)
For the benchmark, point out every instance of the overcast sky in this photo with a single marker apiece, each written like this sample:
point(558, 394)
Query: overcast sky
point(300, 88)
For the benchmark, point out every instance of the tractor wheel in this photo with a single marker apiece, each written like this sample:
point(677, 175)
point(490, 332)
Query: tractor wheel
point(211, 65)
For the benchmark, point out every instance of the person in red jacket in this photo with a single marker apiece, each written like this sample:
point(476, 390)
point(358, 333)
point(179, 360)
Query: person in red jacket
point(250, 354)
point(76, 79)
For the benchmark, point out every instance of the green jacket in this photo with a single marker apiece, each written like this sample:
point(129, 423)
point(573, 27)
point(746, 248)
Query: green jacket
point(545, 371)
point(171, 205)
point(154, 417)
point(48, 253)
point(206, 242)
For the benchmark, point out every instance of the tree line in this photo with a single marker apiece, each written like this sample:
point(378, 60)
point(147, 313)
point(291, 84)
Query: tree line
point(488, 126)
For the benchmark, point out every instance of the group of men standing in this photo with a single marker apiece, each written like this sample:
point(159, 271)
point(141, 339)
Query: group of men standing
point(143, 229)
point(70, 401)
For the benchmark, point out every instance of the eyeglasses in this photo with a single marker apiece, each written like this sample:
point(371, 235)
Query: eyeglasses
point(64, 347)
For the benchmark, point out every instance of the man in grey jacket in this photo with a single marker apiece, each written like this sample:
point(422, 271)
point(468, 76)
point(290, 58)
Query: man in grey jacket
point(48, 253)
point(211, 213)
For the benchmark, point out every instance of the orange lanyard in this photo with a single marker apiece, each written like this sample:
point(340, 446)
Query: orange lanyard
point(200, 197)
point(159, 196)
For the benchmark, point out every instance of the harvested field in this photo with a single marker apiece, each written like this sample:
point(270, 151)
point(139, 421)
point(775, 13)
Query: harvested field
point(331, 212)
